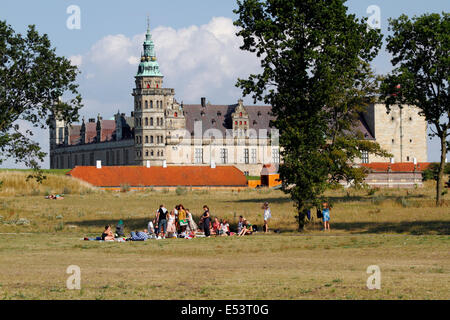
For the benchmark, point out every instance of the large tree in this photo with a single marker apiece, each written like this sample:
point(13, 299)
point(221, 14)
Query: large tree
point(420, 48)
point(314, 59)
point(33, 83)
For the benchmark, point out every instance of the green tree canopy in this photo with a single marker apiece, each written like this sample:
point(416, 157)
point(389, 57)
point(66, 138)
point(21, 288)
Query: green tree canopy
point(420, 48)
point(33, 82)
point(315, 74)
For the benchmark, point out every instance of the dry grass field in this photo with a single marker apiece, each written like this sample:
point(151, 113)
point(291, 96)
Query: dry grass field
point(400, 231)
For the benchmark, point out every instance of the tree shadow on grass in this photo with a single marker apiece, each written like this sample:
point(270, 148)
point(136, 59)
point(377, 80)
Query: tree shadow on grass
point(332, 199)
point(404, 227)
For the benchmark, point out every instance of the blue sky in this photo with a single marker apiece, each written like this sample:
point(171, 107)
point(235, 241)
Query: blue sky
point(195, 43)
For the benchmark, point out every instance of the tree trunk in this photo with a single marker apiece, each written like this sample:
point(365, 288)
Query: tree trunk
point(440, 176)
point(301, 220)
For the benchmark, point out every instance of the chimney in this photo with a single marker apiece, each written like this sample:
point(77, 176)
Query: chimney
point(99, 164)
point(147, 164)
point(392, 161)
point(203, 102)
point(164, 164)
point(415, 161)
point(213, 164)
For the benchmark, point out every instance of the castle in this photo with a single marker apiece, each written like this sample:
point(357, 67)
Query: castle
point(162, 132)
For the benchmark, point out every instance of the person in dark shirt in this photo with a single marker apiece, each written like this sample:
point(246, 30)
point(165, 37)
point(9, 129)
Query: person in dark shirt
point(206, 221)
point(162, 221)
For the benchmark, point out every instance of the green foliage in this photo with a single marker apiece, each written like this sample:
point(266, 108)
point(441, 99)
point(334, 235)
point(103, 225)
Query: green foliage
point(420, 48)
point(432, 172)
point(124, 187)
point(180, 191)
point(316, 76)
point(32, 81)
point(372, 191)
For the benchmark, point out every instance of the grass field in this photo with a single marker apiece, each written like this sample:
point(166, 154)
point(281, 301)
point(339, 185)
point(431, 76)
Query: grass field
point(400, 231)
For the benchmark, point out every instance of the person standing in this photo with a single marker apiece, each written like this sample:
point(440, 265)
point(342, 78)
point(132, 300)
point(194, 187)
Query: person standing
point(182, 219)
point(192, 226)
point(206, 221)
point(171, 228)
point(267, 216)
point(162, 221)
point(326, 216)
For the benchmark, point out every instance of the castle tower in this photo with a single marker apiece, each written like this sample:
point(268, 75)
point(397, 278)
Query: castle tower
point(151, 101)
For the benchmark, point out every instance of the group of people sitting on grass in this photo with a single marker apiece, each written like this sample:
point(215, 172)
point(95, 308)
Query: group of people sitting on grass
point(180, 223)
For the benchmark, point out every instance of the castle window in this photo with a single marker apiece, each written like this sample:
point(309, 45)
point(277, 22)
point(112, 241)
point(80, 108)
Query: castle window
point(146, 121)
point(151, 139)
point(410, 140)
point(198, 156)
point(235, 122)
point(161, 104)
point(162, 153)
point(259, 114)
point(240, 114)
point(246, 156)
point(146, 153)
point(245, 122)
point(223, 155)
point(146, 139)
point(410, 118)
point(151, 121)
point(393, 140)
point(254, 122)
point(148, 85)
point(151, 104)
point(146, 104)
point(213, 121)
point(392, 118)
point(253, 158)
point(365, 157)
point(162, 121)
point(219, 114)
point(275, 156)
point(152, 153)
point(407, 158)
point(240, 122)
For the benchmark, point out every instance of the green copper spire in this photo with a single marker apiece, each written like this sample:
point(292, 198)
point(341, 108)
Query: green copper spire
point(149, 66)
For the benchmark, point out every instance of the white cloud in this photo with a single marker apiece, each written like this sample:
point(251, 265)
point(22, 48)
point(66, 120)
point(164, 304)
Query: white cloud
point(196, 61)
point(76, 60)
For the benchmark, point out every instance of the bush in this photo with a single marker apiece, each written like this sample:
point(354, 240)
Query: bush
point(372, 191)
point(377, 200)
point(124, 188)
point(404, 202)
point(180, 191)
point(432, 172)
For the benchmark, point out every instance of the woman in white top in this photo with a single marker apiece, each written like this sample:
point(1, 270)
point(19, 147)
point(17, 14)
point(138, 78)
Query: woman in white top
point(267, 216)
point(192, 226)
point(171, 228)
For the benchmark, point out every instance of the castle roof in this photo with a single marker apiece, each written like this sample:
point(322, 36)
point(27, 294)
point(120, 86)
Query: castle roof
point(187, 176)
point(219, 117)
